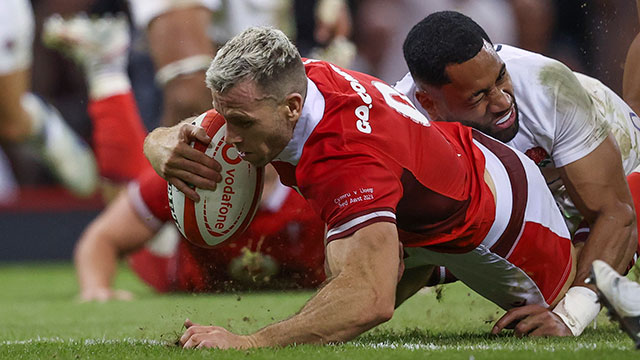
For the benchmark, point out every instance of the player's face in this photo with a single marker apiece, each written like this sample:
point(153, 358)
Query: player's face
point(259, 126)
point(479, 95)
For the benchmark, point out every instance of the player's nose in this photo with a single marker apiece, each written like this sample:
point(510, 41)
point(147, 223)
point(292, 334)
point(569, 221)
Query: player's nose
point(499, 100)
point(232, 137)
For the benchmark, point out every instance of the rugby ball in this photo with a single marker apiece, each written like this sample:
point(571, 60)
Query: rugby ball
point(221, 216)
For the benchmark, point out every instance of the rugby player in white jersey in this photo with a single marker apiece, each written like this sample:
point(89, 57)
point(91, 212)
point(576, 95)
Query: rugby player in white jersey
point(579, 132)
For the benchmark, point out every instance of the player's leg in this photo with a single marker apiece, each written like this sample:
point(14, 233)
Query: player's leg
point(100, 47)
point(181, 51)
point(25, 117)
point(620, 295)
point(155, 263)
point(15, 123)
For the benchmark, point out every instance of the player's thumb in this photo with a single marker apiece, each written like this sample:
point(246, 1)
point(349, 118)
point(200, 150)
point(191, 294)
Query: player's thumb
point(188, 323)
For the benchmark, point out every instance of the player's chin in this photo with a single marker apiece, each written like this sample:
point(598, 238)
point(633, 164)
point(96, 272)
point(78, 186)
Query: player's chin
point(255, 160)
point(505, 135)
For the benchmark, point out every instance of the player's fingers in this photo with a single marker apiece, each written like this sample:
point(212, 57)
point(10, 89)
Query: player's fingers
point(193, 180)
point(508, 320)
point(188, 323)
point(193, 168)
point(191, 334)
point(200, 134)
point(184, 188)
point(206, 344)
point(528, 325)
point(197, 156)
point(190, 343)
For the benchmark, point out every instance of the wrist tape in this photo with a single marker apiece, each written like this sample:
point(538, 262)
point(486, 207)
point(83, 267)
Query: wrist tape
point(578, 308)
point(180, 67)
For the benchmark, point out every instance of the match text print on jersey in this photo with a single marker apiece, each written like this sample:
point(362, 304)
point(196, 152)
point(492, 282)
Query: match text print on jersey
point(355, 196)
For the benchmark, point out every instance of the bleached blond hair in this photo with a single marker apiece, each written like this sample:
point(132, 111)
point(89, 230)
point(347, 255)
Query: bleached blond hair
point(261, 54)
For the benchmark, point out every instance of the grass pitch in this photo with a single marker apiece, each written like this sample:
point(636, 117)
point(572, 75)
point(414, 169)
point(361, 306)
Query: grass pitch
point(41, 318)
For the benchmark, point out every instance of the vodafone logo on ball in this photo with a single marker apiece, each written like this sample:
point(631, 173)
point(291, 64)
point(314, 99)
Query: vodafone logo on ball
point(223, 214)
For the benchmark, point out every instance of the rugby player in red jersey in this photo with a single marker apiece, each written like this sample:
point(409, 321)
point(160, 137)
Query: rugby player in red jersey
point(383, 178)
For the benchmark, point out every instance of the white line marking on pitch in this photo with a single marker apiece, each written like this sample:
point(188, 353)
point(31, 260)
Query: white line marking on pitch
point(379, 345)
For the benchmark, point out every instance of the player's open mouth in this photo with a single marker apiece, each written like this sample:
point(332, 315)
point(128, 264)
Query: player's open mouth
point(508, 119)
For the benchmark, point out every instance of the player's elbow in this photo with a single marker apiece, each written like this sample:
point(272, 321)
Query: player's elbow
point(626, 215)
point(623, 214)
point(379, 308)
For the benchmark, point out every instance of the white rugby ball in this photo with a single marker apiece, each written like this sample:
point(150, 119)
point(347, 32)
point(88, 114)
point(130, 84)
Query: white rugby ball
point(220, 216)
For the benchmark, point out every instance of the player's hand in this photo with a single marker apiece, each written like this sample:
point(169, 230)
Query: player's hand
point(172, 157)
point(105, 294)
point(532, 320)
point(199, 336)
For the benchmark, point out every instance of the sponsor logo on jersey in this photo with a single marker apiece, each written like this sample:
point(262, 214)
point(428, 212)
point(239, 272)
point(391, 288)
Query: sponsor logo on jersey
point(362, 111)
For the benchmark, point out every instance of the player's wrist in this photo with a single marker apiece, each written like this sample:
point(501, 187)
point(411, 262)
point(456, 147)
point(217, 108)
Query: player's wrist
point(578, 308)
point(254, 341)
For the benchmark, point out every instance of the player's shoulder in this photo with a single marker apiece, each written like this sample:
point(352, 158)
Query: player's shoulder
point(530, 67)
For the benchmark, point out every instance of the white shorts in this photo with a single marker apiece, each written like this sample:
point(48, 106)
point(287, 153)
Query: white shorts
point(143, 11)
point(16, 35)
point(525, 261)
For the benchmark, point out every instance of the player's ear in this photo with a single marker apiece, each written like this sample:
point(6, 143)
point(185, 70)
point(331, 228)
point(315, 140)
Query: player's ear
point(428, 103)
point(294, 103)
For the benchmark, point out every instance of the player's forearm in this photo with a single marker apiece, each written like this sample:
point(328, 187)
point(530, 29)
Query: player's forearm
point(95, 262)
point(612, 238)
point(342, 310)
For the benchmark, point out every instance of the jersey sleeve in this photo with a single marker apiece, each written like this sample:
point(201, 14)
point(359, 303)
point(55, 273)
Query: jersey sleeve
point(357, 190)
point(580, 127)
point(148, 195)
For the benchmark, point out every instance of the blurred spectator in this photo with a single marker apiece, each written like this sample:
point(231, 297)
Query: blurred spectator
point(383, 25)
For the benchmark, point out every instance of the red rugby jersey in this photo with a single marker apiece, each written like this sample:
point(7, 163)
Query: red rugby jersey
point(361, 153)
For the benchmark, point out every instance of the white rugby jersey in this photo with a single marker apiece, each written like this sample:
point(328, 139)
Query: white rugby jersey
point(563, 117)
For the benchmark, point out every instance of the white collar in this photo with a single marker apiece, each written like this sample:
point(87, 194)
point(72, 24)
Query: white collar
point(312, 113)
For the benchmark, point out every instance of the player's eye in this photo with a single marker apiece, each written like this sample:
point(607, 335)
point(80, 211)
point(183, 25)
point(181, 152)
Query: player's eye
point(245, 124)
point(501, 76)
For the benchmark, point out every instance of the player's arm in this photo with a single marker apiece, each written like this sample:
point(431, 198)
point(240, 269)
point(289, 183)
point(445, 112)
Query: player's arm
point(116, 231)
point(631, 75)
point(598, 188)
point(596, 184)
point(171, 156)
point(359, 296)
point(412, 280)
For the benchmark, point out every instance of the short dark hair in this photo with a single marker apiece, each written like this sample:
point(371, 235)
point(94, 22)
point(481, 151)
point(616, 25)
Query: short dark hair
point(441, 39)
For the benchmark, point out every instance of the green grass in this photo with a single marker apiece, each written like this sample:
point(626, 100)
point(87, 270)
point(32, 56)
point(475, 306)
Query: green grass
point(40, 318)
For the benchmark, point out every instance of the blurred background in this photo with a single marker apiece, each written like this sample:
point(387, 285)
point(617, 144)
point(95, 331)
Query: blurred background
point(43, 220)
